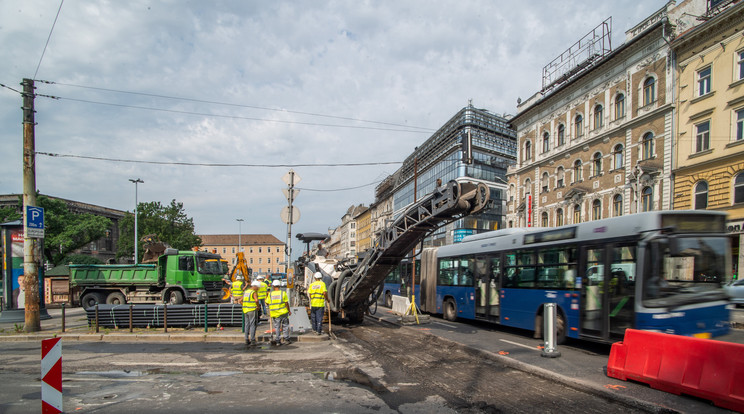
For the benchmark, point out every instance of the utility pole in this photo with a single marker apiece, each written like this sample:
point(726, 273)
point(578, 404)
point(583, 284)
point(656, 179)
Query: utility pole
point(30, 261)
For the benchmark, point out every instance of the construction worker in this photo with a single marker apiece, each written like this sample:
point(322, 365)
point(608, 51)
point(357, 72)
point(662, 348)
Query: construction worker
point(263, 289)
point(279, 309)
point(236, 289)
point(250, 312)
point(318, 295)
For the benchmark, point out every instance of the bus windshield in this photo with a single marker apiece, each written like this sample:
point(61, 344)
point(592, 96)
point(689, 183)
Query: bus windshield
point(684, 271)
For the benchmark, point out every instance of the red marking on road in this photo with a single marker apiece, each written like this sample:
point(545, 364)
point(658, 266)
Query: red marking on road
point(503, 353)
point(615, 387)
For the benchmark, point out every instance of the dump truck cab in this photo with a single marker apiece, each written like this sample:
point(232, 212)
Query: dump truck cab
point(197, 274)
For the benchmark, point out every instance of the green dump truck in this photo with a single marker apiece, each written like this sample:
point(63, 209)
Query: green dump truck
point(178, 277)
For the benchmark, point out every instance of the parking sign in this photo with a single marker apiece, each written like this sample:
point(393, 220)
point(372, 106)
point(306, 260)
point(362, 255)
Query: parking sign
point(35, 222)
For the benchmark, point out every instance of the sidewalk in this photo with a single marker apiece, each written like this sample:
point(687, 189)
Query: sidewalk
point(77, 329)
point(578, 367)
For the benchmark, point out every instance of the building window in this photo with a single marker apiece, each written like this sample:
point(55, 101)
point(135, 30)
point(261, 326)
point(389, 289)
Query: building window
point(649, 91)
point(250, 249)
point(544, 182)
point(260, 260)
point(648, 146)
point(740, 63)
point(617, 156)
point(277, 250)
point(511, 192)
point(224, 250)
point(596, 210)
point(251, 260)
point(617, 205)
point(577, 214)
point(527, 151)
point(702, 136)
point(527, 188)
point(259, 249)
point(704, 81)
point(597, 164)
point(559, 217)
point(561, 135)
point(701, 195)
point(647, 199)
point(740, 124)
point(546, 142)
point(598, 116)
point(579, 125)
point(739, 188)
point(544, 220)
point(619, 106)
point(559, 181)
point(577, 171)
point(233, 250)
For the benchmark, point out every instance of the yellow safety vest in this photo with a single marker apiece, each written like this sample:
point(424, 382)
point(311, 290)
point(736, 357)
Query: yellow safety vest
point(316, 291)
point(237, 289)
point(277, 301)
point(262, 291)
point(249, 301)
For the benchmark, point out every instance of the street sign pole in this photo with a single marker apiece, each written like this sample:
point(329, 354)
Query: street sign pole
point(32, 321)
point(290, 214)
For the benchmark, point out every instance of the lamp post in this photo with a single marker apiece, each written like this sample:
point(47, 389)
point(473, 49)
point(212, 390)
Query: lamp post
point(136, 204)
point(240, 244)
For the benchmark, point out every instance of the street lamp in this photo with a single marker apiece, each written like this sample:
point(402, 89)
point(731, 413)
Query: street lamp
point(240, 231)
point(136, 203)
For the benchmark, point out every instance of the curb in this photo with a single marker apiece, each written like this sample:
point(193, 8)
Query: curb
point(151, 337)
point(574, 383)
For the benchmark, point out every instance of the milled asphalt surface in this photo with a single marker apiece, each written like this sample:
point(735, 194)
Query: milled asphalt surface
point(576, 367)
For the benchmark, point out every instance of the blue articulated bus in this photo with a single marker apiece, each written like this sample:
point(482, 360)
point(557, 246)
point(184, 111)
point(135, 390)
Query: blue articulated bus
point(661, 271)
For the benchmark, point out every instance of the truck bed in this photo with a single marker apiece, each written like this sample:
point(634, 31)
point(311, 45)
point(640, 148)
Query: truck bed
point(113, 275)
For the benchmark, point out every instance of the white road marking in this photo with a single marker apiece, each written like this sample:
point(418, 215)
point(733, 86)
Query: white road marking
point(534, 348)
point(446, 324)
point(164, 364)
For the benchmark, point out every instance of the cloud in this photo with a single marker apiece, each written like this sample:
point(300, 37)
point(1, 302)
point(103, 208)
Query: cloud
point(413, 63)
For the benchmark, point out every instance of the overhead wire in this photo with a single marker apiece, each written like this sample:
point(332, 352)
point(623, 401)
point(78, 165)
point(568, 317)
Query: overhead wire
point(49, 37)
point(201, 164)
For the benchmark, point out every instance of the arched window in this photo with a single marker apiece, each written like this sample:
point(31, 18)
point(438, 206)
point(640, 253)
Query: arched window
point(577, 171)
point(546, 142)
point(617, 156)
point(527, 151)
point(596, 210)
point(579, 125)
point(649, 91)
point(701, 195)
point(598, 116)
point(527, 188)
point(619, 106)
point(739, 188)
point(617, 205)
point(647, 199)
point(544, 182)
point(559, 177)
point(511, 192)
point(559, 217)
point(577, 214)
point(597, 164)
point(647, 145)
point(561, 135)
point(544, 220)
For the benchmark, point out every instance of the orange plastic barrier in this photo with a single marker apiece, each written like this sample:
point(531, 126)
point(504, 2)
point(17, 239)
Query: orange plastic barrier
point(713, 370)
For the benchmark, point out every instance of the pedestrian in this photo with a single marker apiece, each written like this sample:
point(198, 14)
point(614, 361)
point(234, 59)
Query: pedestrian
point(236, 289)
point(318, 294)
point(250, 313)
point(263, 289)
point(279, 311)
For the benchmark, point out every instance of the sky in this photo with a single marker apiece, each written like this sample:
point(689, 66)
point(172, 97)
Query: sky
point(211, 103)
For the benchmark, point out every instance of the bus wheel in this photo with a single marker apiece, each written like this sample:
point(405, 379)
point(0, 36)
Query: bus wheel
point(450, 310)
point(116, 298)
point(388, 300)
point(175, 297)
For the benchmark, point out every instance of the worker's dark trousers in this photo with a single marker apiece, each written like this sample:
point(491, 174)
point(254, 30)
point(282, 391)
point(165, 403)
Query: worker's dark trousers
point(251, 322)
point(316, 318)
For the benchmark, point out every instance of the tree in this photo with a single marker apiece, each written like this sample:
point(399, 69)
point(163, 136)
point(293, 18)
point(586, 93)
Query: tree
point(169, 223)
point(65, 231)
point(9, 214)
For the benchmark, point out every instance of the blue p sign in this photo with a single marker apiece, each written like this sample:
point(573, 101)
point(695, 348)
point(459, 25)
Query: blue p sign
point(35, 221)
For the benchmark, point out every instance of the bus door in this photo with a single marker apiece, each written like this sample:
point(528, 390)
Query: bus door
point(487, 275)
point(621, 292)
point(593, 293)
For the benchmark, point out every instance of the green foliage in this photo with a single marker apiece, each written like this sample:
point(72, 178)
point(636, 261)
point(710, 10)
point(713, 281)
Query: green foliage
point(169, 223)
point(66, 231)
point(9, 214)
point(81, 259)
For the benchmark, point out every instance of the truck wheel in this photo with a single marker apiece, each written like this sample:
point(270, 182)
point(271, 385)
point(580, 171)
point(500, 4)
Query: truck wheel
point(116, 298)
point(356, 315)
point(90, 299)
point(388, 300)
point(450, 310)
point(175, 297)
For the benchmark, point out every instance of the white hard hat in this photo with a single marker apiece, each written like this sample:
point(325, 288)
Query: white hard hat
point(317, 275)
point(256, 283)
point(276, 283)
point(260, 276)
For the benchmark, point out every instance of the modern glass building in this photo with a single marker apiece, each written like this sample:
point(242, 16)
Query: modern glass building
point(474, 143)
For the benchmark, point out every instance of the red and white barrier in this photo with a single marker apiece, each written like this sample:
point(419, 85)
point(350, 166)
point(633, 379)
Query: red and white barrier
point(51, 376)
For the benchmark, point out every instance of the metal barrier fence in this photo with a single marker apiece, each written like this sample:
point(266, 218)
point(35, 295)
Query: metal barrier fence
point(154, 316)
